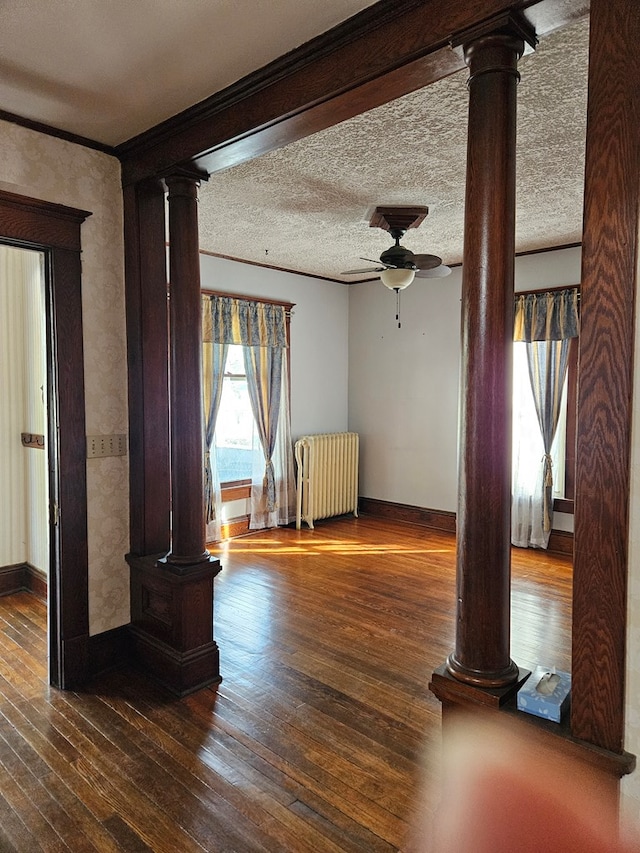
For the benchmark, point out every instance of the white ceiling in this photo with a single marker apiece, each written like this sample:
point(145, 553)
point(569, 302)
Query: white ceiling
point(108, 71)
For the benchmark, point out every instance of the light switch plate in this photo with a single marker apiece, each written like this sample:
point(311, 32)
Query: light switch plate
point(106, 445)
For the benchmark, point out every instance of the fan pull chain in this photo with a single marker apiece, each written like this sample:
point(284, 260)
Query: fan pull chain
point(397, 290)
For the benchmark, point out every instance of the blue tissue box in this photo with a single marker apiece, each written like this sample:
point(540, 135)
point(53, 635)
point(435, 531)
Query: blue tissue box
point(545, 694)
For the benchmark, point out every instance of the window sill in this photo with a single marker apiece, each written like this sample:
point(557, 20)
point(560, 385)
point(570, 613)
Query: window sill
point(563, 505)
point(235, 491)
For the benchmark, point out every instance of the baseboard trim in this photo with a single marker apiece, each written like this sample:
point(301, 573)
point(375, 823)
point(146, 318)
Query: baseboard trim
point(233, 527)
point(36, 582)
point(180, 672)
point(560, 541)
point(109, 650)
point(23, 577)
point(433, 518)
point(12, 578)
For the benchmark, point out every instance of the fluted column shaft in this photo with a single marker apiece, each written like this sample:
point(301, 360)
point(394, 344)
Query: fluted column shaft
point(187, 437)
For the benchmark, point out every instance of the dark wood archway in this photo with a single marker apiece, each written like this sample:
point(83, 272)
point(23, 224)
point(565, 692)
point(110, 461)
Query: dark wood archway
point(55, 230)
point(384, 52)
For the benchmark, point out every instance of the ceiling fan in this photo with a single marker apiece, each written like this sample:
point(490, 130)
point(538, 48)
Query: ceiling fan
point(399, 264)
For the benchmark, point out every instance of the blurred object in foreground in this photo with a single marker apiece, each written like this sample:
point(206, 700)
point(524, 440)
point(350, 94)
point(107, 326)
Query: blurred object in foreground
point(506, 790)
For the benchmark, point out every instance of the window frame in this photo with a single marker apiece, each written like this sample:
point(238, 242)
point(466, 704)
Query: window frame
point(233, 490)
point(566, 503)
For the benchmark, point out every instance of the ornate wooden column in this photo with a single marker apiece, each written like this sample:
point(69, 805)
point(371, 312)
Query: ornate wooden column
point(481, 660)
point(172, 594)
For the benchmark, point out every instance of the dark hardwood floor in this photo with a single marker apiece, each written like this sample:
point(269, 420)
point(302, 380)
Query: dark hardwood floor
point(320, 733)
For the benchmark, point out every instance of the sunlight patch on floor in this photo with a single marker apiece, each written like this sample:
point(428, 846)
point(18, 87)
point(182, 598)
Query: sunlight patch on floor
point(271, 546)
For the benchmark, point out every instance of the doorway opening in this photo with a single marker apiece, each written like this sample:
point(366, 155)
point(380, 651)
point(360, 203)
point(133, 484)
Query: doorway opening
point(24, 524)
point(52, 232)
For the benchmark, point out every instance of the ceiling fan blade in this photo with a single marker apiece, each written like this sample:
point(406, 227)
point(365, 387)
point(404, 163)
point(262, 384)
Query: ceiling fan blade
point(427, 262)
point(378, 262)
point(361, 272)
point(435, 272)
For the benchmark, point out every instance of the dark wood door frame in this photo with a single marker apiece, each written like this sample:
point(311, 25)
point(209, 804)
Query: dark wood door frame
point(55, 230)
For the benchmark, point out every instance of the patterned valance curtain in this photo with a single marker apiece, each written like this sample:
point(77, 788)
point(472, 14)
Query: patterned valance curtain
point(240, 321)
point(551, 316)
point(545, 322)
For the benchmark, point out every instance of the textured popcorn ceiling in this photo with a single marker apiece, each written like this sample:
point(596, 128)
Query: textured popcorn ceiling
point(306, 207)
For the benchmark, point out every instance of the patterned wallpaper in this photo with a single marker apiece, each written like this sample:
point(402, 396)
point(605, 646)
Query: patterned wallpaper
point(55, 170)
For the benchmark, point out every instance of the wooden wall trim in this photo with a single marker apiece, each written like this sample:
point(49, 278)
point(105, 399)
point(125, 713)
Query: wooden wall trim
point(57, 132)
point(560, 542)
point(238, 526)
point(109, 650)
point(605, 388)
point(235, 492)
point(380, 54)
point(12, 578)
point(23, 577)
point(434, 518)
point(55, 229)
point(40, 223)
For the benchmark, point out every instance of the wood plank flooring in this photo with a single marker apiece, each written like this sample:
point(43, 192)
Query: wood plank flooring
point(320, 732)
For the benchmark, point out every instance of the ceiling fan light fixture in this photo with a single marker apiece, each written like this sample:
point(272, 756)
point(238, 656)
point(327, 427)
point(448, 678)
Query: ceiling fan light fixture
point(397, 279)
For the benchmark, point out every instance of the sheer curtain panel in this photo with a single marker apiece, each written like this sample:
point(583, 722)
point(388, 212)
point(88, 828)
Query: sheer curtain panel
point(214, 356)
point(545, 322)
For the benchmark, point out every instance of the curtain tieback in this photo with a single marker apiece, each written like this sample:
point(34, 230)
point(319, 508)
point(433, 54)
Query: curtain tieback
point(209, 503)
point(269, 486)
point(547, 462)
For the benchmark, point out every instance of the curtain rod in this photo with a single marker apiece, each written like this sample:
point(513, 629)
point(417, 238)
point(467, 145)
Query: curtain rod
point(543, 290)
point(242, 298)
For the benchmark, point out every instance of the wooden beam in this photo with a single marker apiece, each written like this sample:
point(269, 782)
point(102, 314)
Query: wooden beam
point(384, 52)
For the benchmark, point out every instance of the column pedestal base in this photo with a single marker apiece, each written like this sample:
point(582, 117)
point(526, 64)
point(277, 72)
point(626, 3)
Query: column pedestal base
point(172, 623)
point(450, 690)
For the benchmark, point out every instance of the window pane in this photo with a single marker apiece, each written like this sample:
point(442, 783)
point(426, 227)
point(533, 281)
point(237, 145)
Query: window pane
point(558, 448)
point(234, 426)
point(235, 360)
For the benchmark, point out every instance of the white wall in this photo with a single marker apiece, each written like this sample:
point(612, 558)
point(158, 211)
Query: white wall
point(403, 390)
point(404, 383)
point(43, 167)
point(319, 337)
